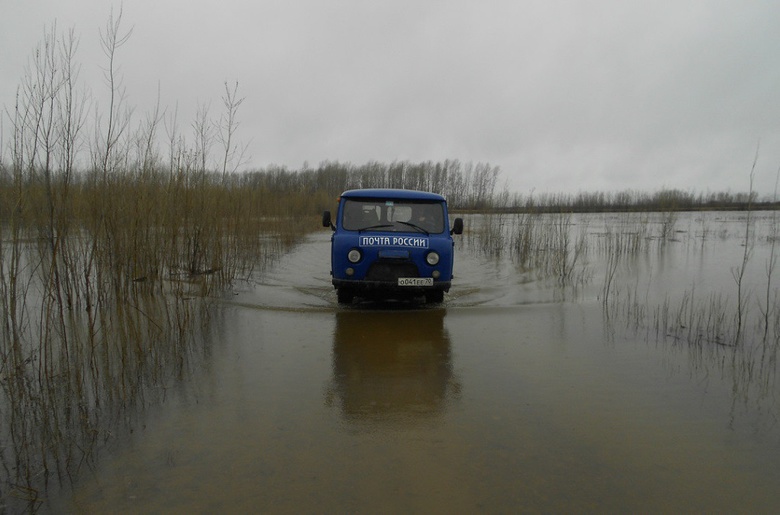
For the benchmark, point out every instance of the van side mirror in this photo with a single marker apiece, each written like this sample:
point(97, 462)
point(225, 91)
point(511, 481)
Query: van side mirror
point(326, 220)
point(457, 226)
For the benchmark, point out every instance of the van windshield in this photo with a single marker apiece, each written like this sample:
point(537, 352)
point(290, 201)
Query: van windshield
point(393, 215)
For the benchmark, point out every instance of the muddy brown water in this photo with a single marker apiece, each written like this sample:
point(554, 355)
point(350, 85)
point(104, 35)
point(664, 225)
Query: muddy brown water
point(513, 395)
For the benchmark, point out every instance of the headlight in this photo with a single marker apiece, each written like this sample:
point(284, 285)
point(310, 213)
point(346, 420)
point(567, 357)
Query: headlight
point(432, 258)
point(354, 256)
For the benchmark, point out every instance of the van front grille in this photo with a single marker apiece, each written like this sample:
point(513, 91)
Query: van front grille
point(389, 271)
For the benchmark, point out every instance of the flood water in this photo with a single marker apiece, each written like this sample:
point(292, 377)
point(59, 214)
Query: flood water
point(516, 394)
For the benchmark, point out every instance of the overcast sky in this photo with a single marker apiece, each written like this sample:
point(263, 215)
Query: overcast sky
point(563, 96)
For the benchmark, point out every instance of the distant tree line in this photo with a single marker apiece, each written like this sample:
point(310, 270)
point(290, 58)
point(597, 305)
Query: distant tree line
point(465, 185)
point(631, 200)
point(281, 190)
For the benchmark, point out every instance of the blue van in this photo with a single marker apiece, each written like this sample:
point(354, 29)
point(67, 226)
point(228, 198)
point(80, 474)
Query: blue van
point(390, 243)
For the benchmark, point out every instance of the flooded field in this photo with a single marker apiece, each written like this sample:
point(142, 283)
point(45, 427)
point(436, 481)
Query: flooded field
point(634, 371)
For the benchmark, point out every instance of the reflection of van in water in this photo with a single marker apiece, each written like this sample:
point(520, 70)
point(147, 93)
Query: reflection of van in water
point(391, 244)
point(391, 366)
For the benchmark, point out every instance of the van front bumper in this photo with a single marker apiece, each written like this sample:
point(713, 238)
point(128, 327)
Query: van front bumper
point(363, 286)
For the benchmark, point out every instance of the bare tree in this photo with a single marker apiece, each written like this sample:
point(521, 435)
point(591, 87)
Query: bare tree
point(112, 38)
point(72, 106)
point(771, 262)
point(228, 124)
point(203, 129)
point(739, 272)
point(147, 137)
point(175, 142)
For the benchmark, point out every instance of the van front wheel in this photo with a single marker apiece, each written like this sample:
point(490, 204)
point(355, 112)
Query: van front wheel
point(434, 297)
point(344, 296)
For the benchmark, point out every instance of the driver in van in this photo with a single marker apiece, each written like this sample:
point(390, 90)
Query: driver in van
point(423, 219)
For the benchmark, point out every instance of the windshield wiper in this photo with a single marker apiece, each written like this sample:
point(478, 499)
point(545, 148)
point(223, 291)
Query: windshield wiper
point(374, 227)
point(410, 224)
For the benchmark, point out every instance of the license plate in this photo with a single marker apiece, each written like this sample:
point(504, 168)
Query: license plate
point(415, 281)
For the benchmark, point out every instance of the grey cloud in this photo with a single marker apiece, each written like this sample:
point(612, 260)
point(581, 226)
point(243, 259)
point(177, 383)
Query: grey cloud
point(563, 96)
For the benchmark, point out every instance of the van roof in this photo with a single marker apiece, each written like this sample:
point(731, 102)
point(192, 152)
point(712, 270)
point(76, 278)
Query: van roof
point(381, 193)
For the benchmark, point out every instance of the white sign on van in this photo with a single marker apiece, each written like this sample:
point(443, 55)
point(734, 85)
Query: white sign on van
point(394, 241)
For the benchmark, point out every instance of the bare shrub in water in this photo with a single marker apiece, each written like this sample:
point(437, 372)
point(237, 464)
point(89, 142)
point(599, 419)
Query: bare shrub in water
point(770, 301)
point(547, 245)
point(106, 275)
point(552, 246)
point(489, 235)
